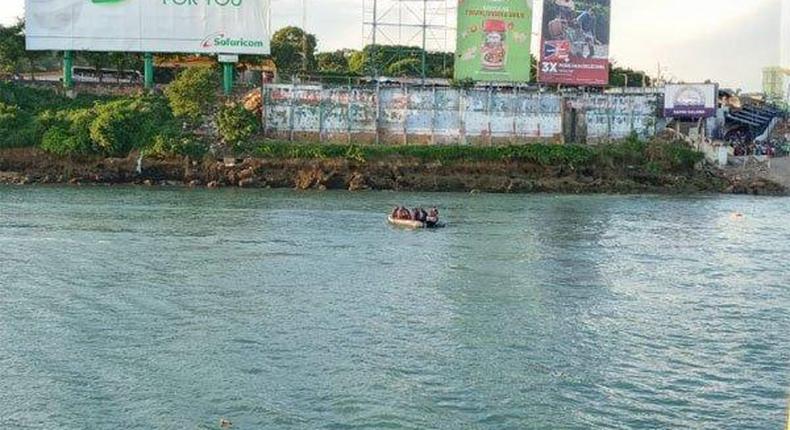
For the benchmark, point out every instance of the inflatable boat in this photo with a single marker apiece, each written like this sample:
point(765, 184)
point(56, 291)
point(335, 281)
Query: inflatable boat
point(407, 223)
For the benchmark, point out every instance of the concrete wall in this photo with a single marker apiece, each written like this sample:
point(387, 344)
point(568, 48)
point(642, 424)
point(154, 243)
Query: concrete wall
point(397, 115)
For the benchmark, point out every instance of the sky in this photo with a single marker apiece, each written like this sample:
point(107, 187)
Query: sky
point(727, 41)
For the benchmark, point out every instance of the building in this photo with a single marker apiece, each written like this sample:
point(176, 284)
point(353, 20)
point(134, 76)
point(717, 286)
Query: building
point(776, 80)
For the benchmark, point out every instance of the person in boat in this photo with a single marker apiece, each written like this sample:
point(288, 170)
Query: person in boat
point(420, 215)
point(433, 217)
point(404, 214)
point(395, 212)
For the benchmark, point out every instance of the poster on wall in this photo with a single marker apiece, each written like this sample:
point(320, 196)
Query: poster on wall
point(181, 26)
point(494, 40)
point(575, 42)
point(690, 101)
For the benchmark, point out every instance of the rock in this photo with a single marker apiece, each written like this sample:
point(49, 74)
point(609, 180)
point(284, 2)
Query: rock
point(357, 182)
point(248, 173)
point(308, 178)
point(194, 183)
point(247, 183)
point(322, 187)
point(212, 185)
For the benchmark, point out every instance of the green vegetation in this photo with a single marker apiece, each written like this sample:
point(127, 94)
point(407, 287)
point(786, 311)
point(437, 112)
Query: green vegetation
point(12, 49)
point(15, 126)
point(235, 124)
point(109, 126)
point(652, 156)
point(545, 155)
point(192, 94)
point(293, 51)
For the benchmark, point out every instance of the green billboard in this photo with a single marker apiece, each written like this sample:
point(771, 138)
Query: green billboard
point(493, 40)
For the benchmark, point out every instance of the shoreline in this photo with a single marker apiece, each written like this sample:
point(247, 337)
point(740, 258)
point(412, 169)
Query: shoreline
point(33, 166)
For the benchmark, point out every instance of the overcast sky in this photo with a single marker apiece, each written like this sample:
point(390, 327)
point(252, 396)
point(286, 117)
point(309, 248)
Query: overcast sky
point(728, 41)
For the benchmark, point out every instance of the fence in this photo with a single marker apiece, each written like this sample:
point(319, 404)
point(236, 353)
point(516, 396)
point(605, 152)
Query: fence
point(441, 115)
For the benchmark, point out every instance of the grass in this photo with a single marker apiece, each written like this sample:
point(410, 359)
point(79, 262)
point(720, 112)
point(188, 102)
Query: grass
point(542, 154)
point(654, 157)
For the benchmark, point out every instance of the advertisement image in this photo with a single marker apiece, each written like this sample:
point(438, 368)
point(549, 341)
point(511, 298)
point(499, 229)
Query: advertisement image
point(188, 26)
point(690, 101)
point(575, 42)
point(494, 40)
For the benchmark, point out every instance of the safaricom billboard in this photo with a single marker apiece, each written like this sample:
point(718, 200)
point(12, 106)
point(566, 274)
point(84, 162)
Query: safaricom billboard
point(188, 26)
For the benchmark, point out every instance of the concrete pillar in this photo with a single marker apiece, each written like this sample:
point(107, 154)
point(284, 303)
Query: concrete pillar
point(227, 78)
point(68, 65)
point(148, 70)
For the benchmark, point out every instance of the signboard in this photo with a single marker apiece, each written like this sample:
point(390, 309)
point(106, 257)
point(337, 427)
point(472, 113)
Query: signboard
point(575, 42)
point(228, 58)
point(690, 100)
point(494, 40)
point(189, 26)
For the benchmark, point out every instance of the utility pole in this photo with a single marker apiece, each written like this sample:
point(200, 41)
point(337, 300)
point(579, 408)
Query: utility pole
point(304, 37)
point(375, 33)
point(424, 37)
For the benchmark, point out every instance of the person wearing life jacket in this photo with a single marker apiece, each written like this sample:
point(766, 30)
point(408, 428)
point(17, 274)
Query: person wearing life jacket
point(423, 215)
point(433, 217)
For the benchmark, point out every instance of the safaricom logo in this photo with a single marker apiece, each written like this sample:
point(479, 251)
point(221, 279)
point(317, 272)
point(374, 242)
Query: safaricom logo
point(219, 40)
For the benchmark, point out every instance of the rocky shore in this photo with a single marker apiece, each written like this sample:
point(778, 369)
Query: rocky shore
point(33, 166)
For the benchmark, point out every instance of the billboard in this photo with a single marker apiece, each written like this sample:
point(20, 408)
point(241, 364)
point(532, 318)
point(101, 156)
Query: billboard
point(690, 100)
point(494, 40)
point(784, 35)
point(188, 26)
point(575, 42)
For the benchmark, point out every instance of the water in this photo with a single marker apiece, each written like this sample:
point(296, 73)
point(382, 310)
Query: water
point(169, 309)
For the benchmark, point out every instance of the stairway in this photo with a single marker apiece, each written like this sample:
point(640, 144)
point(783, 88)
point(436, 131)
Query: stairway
point(755, 116)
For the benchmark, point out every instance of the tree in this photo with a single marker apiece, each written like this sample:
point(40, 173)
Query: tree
point(192, 94)
point(407, 67)
point(293, 51)
point(334, 62)
point(401, 61)
point(12, 48)
point(627, 77)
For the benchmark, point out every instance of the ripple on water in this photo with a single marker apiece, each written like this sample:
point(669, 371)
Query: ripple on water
point(130, 308)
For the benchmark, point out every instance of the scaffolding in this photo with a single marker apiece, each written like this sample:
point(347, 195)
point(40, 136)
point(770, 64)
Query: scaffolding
point(411, 25)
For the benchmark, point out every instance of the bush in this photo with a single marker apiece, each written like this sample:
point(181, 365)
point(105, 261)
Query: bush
point(545, 155)
point(236, 125)
point(35, 100)
point(192, 94)
point(17, 128)
point(123, 125)
point(67, 133)
point(676, 156)
point(171, 141)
